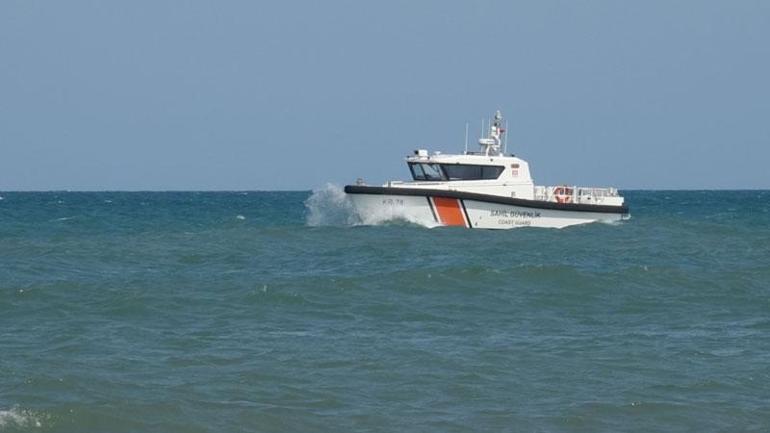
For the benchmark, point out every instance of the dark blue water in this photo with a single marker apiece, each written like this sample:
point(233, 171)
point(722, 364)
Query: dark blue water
point(268, 312)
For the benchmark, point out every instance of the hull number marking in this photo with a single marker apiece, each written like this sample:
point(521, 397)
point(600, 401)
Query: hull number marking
point(393, 201)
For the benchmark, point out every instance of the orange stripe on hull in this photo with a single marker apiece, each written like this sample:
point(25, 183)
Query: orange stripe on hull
point(449, 211)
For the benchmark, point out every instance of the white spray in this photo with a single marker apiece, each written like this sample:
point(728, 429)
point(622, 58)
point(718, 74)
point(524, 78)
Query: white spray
point(329, 206)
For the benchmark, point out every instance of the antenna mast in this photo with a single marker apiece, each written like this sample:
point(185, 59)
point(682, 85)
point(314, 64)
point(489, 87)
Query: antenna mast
point(505, 139)
point(466, 138)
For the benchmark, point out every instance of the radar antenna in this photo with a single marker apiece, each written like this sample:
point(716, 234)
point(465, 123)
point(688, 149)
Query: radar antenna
point(490, 145)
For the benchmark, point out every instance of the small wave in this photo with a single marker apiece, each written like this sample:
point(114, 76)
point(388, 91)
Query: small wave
point(619, 222)
point(240, 217)
point(23, 418)
point(63, 219)
point(330, 206)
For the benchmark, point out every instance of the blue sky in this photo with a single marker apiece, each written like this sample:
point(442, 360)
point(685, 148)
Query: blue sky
point(159, 95)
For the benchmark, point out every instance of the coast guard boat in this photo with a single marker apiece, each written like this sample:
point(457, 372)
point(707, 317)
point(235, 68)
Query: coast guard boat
point(485, 189)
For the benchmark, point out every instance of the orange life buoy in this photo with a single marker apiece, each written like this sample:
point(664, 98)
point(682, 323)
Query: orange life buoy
point(563, 194)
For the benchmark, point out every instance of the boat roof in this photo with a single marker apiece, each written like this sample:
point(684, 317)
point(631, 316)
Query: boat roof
point(468, 158)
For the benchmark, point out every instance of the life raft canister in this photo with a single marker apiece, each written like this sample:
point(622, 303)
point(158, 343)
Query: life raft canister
point(563, 194)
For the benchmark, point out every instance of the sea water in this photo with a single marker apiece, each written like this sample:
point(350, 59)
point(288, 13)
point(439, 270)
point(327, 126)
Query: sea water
point(277, 312)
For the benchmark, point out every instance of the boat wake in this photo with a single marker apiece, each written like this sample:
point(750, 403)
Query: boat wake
point(19, 418)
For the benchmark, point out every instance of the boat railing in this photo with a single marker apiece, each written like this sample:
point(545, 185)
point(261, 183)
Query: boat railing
point(413, 182)
point(558, 193)
point(574, 194)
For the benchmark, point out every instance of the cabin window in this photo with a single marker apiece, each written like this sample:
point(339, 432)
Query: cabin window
point(432, 172)
point(417, 173)
point(462, 172)
point(454, 171)
point(491, 171)
point(471, 172)
point(426, 172)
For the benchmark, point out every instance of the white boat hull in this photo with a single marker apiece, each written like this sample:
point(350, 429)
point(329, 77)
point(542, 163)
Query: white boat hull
point(472, 211)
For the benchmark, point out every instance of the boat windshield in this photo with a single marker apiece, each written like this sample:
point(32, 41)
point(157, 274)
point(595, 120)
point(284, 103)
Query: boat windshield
point(417, 173)
point(432, 172)
point(426, 172)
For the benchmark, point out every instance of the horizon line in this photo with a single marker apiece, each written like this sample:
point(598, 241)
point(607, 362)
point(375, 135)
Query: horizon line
point(311, 190)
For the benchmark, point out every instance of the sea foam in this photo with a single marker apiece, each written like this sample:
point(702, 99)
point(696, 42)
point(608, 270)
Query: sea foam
point(16, 417)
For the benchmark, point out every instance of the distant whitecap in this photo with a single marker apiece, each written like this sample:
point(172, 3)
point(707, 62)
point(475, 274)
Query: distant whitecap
point(240, 217)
